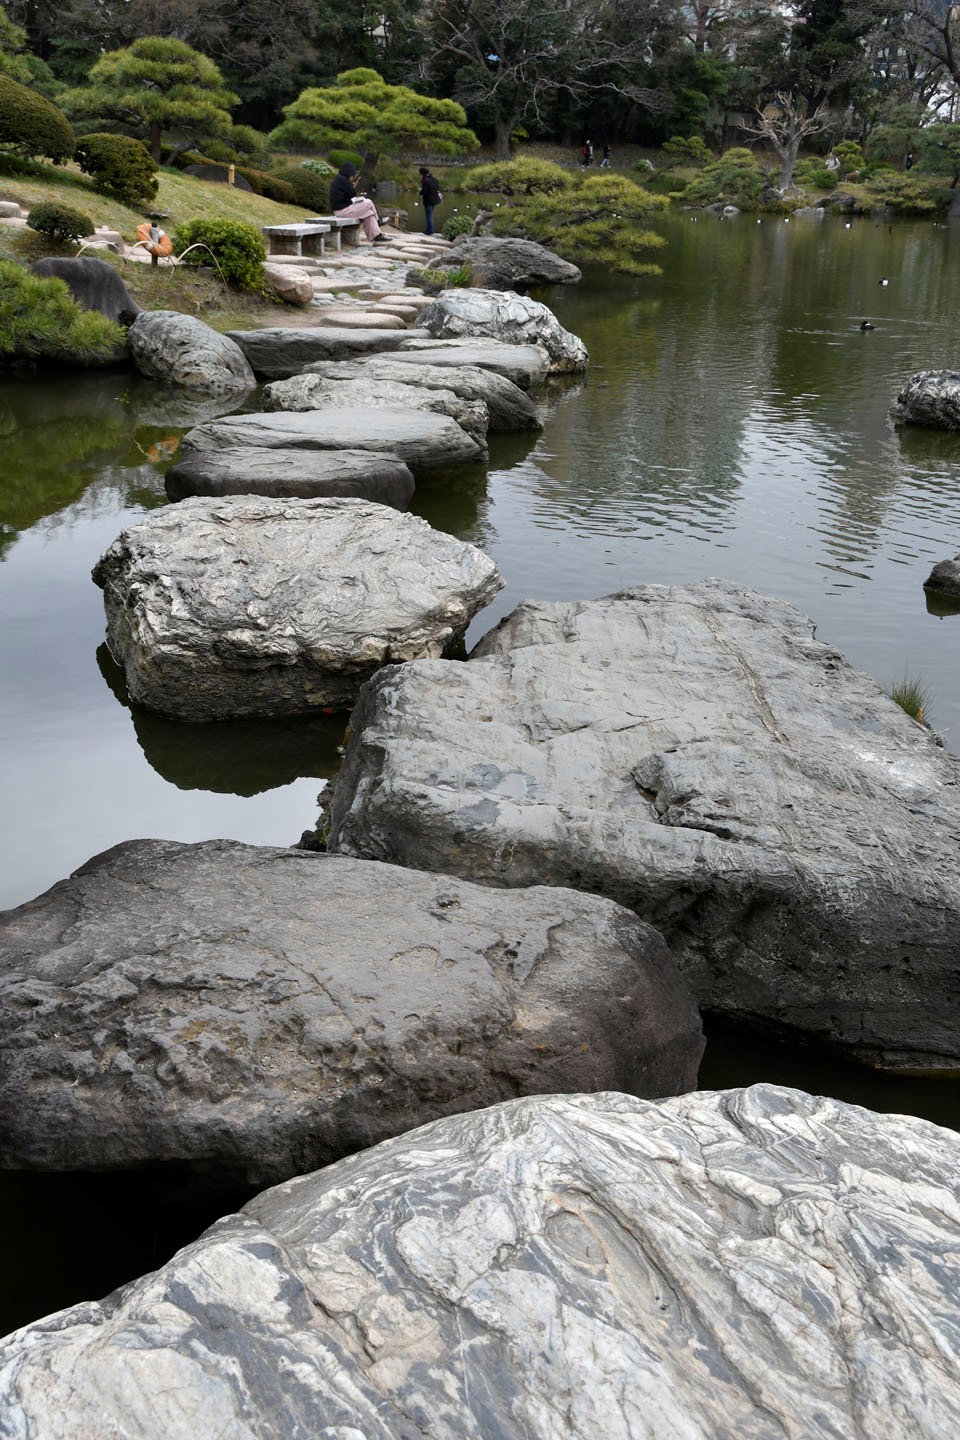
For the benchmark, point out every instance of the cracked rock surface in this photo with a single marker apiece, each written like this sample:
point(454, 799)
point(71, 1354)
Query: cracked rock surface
point(511, 318)
point(265, 1011)
point(692, 752)
point(247, 605)
point(322, 392)
point(739, 1265)
point(508, 407)
point(930, 398)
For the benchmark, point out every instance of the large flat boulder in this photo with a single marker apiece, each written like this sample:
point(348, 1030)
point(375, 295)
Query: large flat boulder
point(526, 262)
point(278, 351)
point(508, 407)
point(421, 439)
point(360, 474)
point(265, 1011)
point(181, 350)
point(525, 365)
point(320, 392)
point(513, 319)
point(694, 753)
point(930, 398)
point(247, 605)
point(757, 1264)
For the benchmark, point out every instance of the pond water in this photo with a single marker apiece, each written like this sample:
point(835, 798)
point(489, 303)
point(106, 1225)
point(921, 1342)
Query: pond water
point(734, 422)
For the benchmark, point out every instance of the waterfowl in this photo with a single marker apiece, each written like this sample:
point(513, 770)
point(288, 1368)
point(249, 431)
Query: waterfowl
point(883, 281)
point(867, 325)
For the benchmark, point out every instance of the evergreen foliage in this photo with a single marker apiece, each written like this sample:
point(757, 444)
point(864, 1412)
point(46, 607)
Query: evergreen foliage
point(307, 187)
point(526, 176)
point(39, 319)
point(153, 86)
point(13, 42)
point(457, 225)
point(736, 179)
point(362, 110)
point(31, 125)
point(59, 222)
point(237, 248)
point(119, 166)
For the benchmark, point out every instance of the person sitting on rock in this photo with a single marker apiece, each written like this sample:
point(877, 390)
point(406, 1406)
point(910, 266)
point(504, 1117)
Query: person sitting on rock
point(348, 206)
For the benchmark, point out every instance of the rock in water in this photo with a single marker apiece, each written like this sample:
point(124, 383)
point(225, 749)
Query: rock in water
point(264, 1011)
point(514, 319)
point(509, 408)
point(181, 350)
point(945, 577)
point(527, 262)
point(756, 1264)
point(930, 398)
point(694, 753)
point(247, 606)
point(356, 474)
point(318, 392)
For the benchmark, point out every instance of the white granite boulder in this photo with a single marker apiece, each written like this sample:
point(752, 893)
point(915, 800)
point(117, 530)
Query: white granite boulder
point(181, 350)
point(309, 1006)
point(514, 319)
point(248, 605)
point(740, 1265)
point(693, 752)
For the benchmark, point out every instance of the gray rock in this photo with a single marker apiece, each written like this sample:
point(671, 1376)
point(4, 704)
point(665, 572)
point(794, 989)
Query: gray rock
point(527, 262)
point(524, 365)
point(514, 319)
point(757, 1264)
point(181, 350)
point(945, 576)
point(319, 392)
point(930, 398)
point(361, 474)
point(292, 283)
point(94, 284)
point(694, 753)
point(508, 407)
point(424, 441)
point(265, 1011)
point(275, 353)
point(252, 606)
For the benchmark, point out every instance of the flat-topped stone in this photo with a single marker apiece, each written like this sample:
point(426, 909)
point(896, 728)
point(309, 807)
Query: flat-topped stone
point(277, 352)
point(424, 441)
point(316, 392)
point(694, 752)
point(252, 470)
point(525, 365)
point(309, 1006)
point(514, 319)
point(736, 1265)
point(508, 407)
point(250, 606)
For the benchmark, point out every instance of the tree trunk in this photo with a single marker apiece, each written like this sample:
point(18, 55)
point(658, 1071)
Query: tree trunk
point(155, 133)
point(788, 159)
point(367, 167)
point(501, 130)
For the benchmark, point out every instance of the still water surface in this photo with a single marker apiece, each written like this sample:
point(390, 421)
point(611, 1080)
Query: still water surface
point(733, 422)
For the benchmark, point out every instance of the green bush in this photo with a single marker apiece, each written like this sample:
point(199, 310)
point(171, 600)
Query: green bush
point(59, 222)
point(850, 155)
point(39, 319)
point(527, 176)
point(813, 172)
point(909, 194)
point(30, 125)
point(457, 225)
point(308, 188)
point(343, 157)
point(318, 167)
point(736, 179)
point(119, 166)
point(261, 182)
point(237, 248)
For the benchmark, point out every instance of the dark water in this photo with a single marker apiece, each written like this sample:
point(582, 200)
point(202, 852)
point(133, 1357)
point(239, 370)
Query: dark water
point(733, 422)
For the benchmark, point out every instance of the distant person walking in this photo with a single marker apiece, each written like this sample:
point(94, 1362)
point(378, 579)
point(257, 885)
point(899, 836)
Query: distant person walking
point(587, 153)
point(348, 206)
point(605, 162)
point(908, 163)
point(430, 195)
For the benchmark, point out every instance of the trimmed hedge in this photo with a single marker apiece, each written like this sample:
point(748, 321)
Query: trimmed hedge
point(119, 166)
point(59, 222)
point(237, 247)
point(261, 182)
point(343, 157)
point(39, 319)
point(30, 125)
point(307, 188)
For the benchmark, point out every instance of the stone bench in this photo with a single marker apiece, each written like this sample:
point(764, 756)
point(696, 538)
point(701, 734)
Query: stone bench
point(343, 228)
point(298, 239)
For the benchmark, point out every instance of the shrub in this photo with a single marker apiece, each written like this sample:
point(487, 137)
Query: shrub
point(813, 172)
point(342, 157)
point(119, 166)
point(59, 222)
point(735, 178)
point(30, 125)
point(39, 318)
point(237, 248)
point(850, 155)
point(308, 187)
point(457, 225)
point(447, 278)
point(318, 167)
point(518, 177)
point(908, 194)
point(261, 182)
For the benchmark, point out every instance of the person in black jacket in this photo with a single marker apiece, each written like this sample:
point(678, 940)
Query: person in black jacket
point(430, 195)
point(347, 205)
